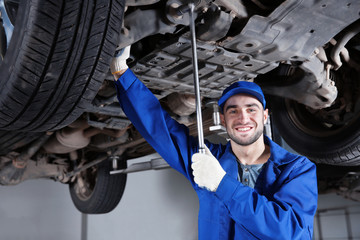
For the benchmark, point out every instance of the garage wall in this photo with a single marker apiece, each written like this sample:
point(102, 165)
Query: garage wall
point(337, 218)
point(38, 210)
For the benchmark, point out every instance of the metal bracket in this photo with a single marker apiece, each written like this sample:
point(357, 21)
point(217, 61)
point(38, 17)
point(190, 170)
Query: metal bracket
point(153, 164)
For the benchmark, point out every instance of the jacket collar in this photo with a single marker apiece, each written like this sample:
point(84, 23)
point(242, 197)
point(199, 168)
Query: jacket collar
point(228, 161)
point(278, 155)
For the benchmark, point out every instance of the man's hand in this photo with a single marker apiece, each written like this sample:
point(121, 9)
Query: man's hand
point(118, 64)
point(207, 170)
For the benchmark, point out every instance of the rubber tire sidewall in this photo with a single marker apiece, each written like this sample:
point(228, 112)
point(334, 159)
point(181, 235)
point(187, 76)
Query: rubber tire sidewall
point(341, 148)
point(107, 192)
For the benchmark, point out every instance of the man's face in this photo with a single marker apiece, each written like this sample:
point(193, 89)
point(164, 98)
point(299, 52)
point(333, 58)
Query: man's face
point(244, 118)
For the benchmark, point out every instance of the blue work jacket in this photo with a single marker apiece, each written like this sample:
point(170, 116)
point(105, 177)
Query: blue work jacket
point(281, 206)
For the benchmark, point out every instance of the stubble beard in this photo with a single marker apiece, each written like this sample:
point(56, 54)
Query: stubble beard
point(246, 142)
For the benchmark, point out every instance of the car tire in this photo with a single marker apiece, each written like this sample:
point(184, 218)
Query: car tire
point(56, 60)
point(96, 191)
point(10, 141)
point(310, 136)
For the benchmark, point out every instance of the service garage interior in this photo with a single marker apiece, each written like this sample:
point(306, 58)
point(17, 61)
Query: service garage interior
point(68, 149)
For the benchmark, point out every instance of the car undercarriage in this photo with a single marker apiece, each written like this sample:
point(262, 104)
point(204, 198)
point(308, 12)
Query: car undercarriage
point(59, 114)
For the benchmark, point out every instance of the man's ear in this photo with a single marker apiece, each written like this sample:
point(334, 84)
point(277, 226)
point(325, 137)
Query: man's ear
point(222, 119)
point(266, 115)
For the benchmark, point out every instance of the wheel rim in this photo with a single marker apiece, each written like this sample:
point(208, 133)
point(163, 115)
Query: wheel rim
point(8, 11)
point(85, 183)
point(325, 122)
point(341, 115)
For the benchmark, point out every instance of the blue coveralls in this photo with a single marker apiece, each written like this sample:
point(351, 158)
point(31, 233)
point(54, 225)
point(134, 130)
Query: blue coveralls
point(281, 206)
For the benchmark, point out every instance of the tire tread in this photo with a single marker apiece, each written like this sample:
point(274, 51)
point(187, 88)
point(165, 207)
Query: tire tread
point(66, 57)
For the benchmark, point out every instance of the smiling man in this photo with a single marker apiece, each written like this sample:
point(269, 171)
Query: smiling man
point(244, 117)
point(250, 188)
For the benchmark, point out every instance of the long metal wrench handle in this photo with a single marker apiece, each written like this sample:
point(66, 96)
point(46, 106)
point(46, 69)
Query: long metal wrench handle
point(196, 80)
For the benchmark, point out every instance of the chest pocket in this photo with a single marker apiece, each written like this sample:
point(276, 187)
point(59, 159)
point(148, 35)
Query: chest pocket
point(268, 181)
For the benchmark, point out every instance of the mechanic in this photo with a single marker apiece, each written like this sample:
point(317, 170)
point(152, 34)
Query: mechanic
point(250, 188)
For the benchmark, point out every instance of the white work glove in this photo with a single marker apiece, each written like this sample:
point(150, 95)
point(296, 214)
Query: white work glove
point(118, 63)
point(207, 170)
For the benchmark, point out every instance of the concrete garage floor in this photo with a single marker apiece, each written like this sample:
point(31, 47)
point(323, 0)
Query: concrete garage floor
point(156, 205)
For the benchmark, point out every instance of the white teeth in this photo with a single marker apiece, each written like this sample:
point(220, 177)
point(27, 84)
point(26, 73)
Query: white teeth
point(243, 129)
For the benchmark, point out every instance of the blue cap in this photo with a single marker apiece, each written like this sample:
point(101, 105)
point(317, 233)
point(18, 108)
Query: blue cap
point(242, 87)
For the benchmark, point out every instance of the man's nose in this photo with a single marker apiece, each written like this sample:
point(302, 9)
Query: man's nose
point(243, 116)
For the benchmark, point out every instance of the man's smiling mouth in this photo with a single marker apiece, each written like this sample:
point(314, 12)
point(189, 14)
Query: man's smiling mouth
point(242, 129)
